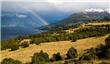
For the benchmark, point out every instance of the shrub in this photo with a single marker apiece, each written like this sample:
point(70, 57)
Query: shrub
point(37, 41)
point(107, 42)
point(6, 44)
point(89, 55)
point(101, 51)
point(24, 44)
point(14, 47)
point(66, 62)
point(40, 58)
point(74, 39)
point(56, 57)
point(10, 61)
point(72, 53)
point(108, 53)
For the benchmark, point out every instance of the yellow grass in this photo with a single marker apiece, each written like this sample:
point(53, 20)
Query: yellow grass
point(25, 54)
point(87, 25)
point(99, 23)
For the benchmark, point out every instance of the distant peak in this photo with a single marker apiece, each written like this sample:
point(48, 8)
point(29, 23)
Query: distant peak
point(97, 10)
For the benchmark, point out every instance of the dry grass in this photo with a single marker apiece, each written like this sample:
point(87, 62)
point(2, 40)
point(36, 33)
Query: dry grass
point(24, 54)
point(87, 25)
point(99, 23)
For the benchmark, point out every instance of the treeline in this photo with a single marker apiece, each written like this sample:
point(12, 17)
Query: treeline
point(81, 33)
point(101, 52)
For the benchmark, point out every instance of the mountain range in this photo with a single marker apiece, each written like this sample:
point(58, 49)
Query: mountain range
point(17, 20)
point(81, 17)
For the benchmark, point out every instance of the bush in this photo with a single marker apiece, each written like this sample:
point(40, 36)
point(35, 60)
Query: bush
point(7, 44)
point(72, 53)
point(107, 42)
point(14, 47)
point(108, 53)
point(74, 39)
point(37, 41)
point(10, 61)
point(56, 57)
point(40, 58)
point(101, 51)
point(89, 55)
point(24, 44)
point(67, 62)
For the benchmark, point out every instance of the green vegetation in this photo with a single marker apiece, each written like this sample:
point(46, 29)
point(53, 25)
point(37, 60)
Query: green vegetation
point(14, 47)
point(92, 31)
point(24, 44)
point(107, 42)
point(78, 34)
point(8, 44)
point(40, 58)
point(72, 53)
point(101, 52)
point(10, 61)
point(56, 57)
point(89, 55)
point(107, 45)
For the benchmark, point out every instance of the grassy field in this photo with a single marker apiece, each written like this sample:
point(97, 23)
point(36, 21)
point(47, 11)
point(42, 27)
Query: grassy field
point(25, 54)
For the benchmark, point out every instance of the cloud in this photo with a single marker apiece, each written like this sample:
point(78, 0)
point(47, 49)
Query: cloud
point(21, 15)
point(60, 0)
point(54, 5)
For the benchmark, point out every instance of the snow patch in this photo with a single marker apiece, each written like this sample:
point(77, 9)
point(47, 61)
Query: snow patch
point(97, 10)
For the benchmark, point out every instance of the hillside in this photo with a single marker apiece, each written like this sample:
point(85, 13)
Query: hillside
point(24, 54)
point(55, 32)
point(80, 17)
point(81, 36)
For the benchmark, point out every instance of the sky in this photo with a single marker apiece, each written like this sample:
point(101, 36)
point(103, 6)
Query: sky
point(60, 0)
point(62, 5)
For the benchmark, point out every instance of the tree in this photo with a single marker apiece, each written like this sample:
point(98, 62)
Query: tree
point(40, 58)
point(72, 53)
point(24, 44)
point(10, 61)
point(106, 18)
point(56, 57)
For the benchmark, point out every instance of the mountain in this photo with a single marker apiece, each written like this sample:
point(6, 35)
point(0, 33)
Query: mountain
point(80, 17)
point(20, 20)
point(85, 16)
point(97, 10)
